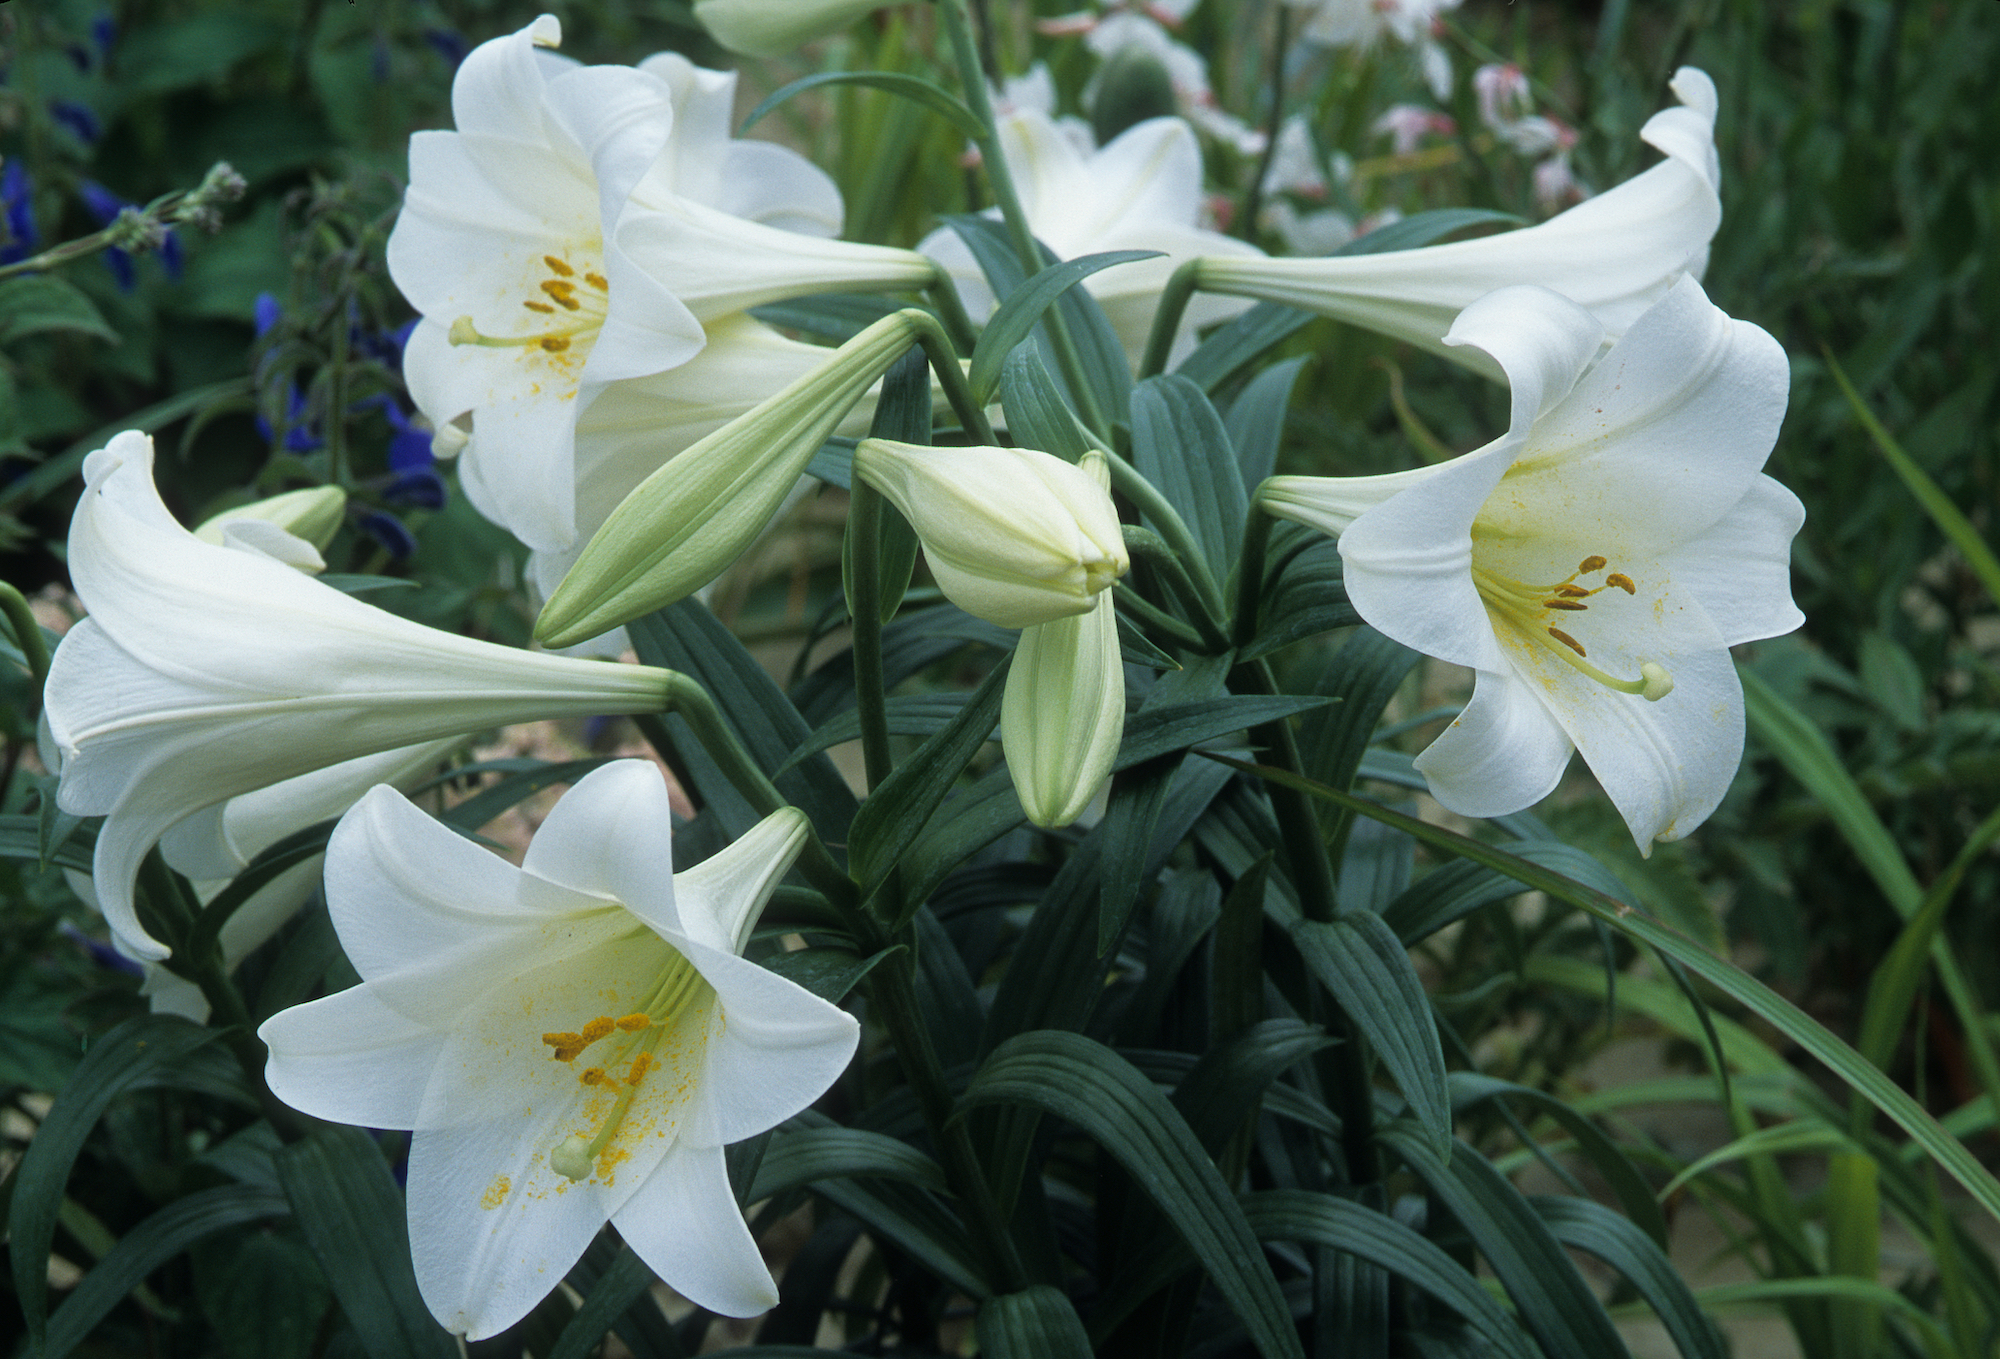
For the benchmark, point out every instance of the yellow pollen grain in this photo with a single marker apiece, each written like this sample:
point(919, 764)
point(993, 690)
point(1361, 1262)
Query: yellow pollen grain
point(632, 1023)
point(1568, 641)
point(566, 1045)
point(598, 1028)
point(557, 266)
point(1592, 563)
point(1622, 581)
point(638, 1071)
point(542, 307)
point(554, 344)
point(598, 281)
point(496, 1193)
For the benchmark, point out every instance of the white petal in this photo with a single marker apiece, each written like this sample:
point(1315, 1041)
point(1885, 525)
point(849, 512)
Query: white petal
point(720, 898)
point(610, 837)
point(1741, 568)
point(498, 88)
point(684, 1223)
point(1541, 340)
point(776, 186)
point(351, 1059)
point(1503, 753)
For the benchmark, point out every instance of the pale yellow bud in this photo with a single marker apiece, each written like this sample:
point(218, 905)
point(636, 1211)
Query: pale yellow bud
point(1013, 535)
point(313, 514)
point(771, 28)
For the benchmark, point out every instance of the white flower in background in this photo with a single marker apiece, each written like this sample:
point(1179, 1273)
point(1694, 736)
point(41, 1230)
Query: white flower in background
point(1140, 192)
point(579, 229)
point(571, 1041)
point(1406, 125)
point(1594, 564)
point(1615, 254)
point(772, 28)
point(203, 672)
point(1013, 535)
point(1124, 32)
point(1503, 94)
point(1062, 714)
point(1360, 24)
point(1319, 232)
point(1505, 104)
point(1296, 169)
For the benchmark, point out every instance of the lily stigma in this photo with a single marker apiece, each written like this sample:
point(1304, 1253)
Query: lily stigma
point(1528, 607)
point(586, 308)
point(680, 988)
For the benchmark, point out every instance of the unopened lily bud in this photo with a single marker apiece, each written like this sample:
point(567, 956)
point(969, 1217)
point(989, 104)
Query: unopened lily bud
point(314, 514)
point(682, 526)
point(771, 28)
point(1013, 535)
point(1062, 714)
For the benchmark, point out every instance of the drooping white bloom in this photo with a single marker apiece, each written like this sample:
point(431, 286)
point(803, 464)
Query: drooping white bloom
point(1062, 714)
point(203, 672)
point(1615, 254)
point(579, 229)
point(1013, 535)
point(1141, 192)
point(1594, 564)
point(571, 1041)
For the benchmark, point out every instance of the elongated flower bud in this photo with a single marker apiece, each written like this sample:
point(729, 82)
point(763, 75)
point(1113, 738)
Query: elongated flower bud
point(1013, 535)
point(683, 526)
point(1063, 711)
point(313, 514)
point(771, 28)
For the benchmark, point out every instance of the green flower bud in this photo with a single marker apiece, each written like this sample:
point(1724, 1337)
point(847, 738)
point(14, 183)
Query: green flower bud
point(682, 526)
point(771, 28)
point(1062, 714)
point(1013, 535)
point(314, 514)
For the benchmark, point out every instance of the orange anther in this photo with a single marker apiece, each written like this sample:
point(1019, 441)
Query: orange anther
point(598, 281)
point(1622, 581)
point(632, 1023)
point(542, 307)
point(1569, 604)
point(597, 1028)
point(638, 1071)
point(593, 1076)
point(554, 344)
point(1589, 564)
point(557, 266)
point(1568, 641)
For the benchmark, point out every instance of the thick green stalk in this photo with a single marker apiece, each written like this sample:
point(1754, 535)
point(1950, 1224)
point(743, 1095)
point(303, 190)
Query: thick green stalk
point(27, 632)
point(864, 606)
point(1250, 576)
point(1181, 287)
point(1128, 482)
point(1246, 216)
point(1149, 546)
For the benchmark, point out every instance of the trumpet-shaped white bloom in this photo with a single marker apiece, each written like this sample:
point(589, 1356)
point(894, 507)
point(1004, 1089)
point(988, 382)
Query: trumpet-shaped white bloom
point(1615, 254)
point(203, 672)
point(578, 230)
point(1062, 714)
point(1013, 535)
point(1142, 191)
point(571, 1041)
point(1594, 564)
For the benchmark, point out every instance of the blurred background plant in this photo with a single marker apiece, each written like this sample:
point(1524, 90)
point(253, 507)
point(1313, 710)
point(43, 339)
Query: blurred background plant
point(1859, 188)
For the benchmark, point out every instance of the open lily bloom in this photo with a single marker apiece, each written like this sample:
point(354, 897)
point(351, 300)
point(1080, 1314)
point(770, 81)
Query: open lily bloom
point(1594, 564)
point(1140, 192)
point(572, 1041)
point(1615, 254)
point(579, 229)
point(203, 672)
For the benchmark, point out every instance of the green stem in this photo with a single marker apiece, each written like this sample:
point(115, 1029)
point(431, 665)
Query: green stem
point(943, 293)
point(1181, 287)
point(27, 632)
point(957, 19)
point(944, 362)
point(1250, 576)
point(864, 537)
point(1153, 549)
point(1156, 617)
point(1253, 192)
point(1128, 482)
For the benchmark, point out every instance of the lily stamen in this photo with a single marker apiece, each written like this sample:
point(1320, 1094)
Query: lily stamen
point(588, 307)
point(1527, 606)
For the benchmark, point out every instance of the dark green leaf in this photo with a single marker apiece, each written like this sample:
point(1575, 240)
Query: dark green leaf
point(352, 1215)
point(1039, 1323)
point(1179, 444)
point(1131, 814)
point(1230, 347)
point(915, 1221)
point(1229, 1079)
point(21, 837)
point(33, 304)
point(801, 1156)
point(1587, 1226)
point(266, 1297)
point(1423, 228)
point(1037, 415)
point(1170, 727)
point(914, 88)
point(1359, 959)
point(1257, 420)
point(899, 808)
point(149, 1245)
point(140, 1052)
point(909, 715)
point(1088, 1085)
point(1309, 597)
point(627, 1281)
point(902, 413)
point(970, 820)
point(1361, 678)
point(831, 316)
point(829, 973)
point(1555, 1301)
point(1021, 310)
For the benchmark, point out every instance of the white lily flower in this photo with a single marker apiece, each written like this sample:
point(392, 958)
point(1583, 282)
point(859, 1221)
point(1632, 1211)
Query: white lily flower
point(1013, 535)
point(1141, 192)
point(571, 1041)
point(578, 230)
point(203, 672)
point(1615, 254)
point(1594, 564)
point(1062, 714)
